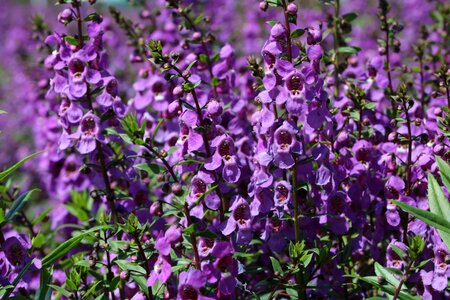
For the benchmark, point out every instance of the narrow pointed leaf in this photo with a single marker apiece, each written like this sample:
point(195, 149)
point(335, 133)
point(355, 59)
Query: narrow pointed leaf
point(10, 170)
point(386, 274)
point(439, 205)
point(68, 245)
point(425, 216)
point(444, 168)
point(18, 205)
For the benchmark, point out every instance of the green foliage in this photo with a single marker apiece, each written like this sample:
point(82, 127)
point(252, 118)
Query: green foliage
point(438, 203)
point(17, 206)
point(68, 245)
point(9, 171)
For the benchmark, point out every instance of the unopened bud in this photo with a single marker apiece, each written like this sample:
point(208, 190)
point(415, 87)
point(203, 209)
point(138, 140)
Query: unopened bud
point(177, 189)
point(263, 5)
point(66, 16)
point(292, 9)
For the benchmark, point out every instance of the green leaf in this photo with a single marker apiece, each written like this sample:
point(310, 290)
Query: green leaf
point(150, 168)
point(306, 259)
point(276, 265)
point(274, 3)
point(386, 274)
point(190, 229)
point(130, 266)
point(91, 289)
point(370, 105)
point(373, 280)
point(44, 292)
point(92, 17)
point(18, 204)
point(71, 40)
point(9, 171)
point(60, 290)
point(41, 216)
point(348, 50)
point(438, 205)
point(425, 216)
point(68, 245)
point(444, 169)
point(297, 33)
point(191, 65)
point(2, 112)
point(142, 283)
point(38, 240)
point(155, 131)
point(350, 17)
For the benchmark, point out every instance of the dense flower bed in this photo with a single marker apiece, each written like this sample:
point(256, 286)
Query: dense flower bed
point(225, 150)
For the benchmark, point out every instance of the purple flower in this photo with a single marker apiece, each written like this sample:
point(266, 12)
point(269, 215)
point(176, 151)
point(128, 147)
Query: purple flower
point(282, 194)
point(190, 284)
point(161, 271)
point(79, 75)
point(89, 133)
point(109, 93)
point(225, 154)
point(285, 144)
point(393, 187)
point(393, 259)
point(16, 250)
point(240, 218)
point(362, 150)
point(199, 186)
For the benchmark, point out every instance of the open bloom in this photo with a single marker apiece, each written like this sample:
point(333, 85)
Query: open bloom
point(190, 284)
point(199, 187)
point(225, 154)
point(282, 194)
point(79, 76)
point(89, 133)
point(285, 145)
point(16, 250)
point(161, 271)
point(240, 219)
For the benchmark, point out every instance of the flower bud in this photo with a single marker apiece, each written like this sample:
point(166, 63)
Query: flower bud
point(214, 108)
point(92, 2)
point(314, 36)
point(196, 36)
point(263, 5)
point(292, 9)
point(155, 209)
point(178, 91)
point(438, 111)
point(174, 109)
point(145, 14)
point(177, 189)
point(366, 121)
point(124, 275)
point(66, 16)
point(143, 73)
point(382, 50)
point(187, 73)
point(392, 137)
